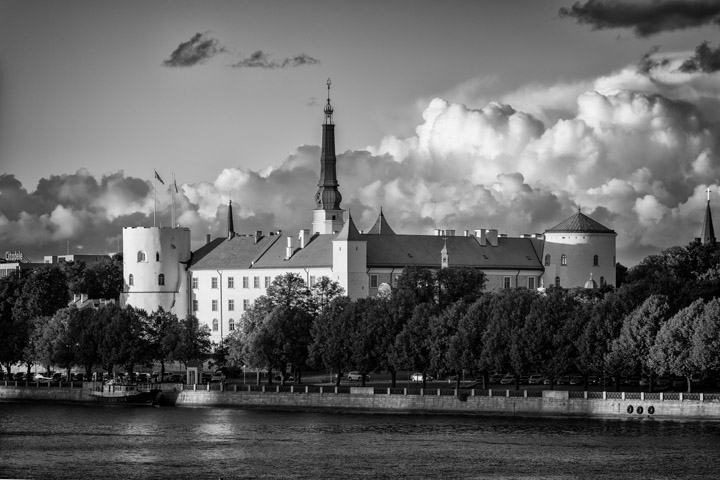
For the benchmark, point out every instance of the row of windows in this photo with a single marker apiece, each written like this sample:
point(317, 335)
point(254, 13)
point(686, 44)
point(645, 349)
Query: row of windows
point(142, 257)
point(216, 324)
point(231, 282)
point(507, 282)
point(160, 279)
point(563, 260)
point(214, 305)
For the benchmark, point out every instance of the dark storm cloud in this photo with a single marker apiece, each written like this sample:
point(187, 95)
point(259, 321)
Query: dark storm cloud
point(195, 51)
point(647, 62)
point(705, 60)
point(645, 18)
point(260, 59)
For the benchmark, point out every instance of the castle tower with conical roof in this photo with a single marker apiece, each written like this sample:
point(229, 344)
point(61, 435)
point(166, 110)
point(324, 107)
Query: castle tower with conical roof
point(328, 216)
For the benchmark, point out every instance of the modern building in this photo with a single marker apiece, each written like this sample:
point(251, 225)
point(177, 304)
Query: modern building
point(219, 281)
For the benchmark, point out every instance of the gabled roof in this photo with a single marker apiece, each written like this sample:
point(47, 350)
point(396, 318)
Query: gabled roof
point(349, 231)
point(317, 253)
point(424, 250)
point(237, 252)
point(579, 223)
point(381, 226)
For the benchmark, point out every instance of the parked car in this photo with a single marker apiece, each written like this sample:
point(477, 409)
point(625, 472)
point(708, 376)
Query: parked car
point(508, 379)
point(679, 382)
point(634, 380)
point(356, 377)
point(663, 381)
point(78, 377)
point(39, 377)
point(524, 379)
point(418, 377)
point(576, 380)
point(563, 380)
point(593, 380)
point(279, 378)
point(495, 378)
point(535, 379)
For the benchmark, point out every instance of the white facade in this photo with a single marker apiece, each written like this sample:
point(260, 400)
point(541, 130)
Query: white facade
point(153, 269)
point(572, 258)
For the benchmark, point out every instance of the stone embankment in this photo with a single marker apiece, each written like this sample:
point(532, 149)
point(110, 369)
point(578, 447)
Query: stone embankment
point(406, 400)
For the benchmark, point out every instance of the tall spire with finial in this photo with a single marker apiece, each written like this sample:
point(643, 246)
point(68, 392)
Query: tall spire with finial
point(327, 216)
point(230, 225)
point(708, 232)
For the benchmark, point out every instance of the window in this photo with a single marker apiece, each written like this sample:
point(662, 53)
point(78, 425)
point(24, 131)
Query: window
point(506, 282)
point(194, 282)
point(602, 281)
point(231, 305)
point(215, 324)
point(246, 304)
point(531, 283)
point(557, 281)
point(161, 279)
point(256, 282)
point(563, 260)
point(246, 282)
point(131, 280)
point(214, 305)
point(231, 325)
point(157, 256)
point(595, 261)
point(141, 256)
point(373, 281)
point(231, 282)
point(547, 260)
point(267, 282)
point(195, 305)
point(214, 282)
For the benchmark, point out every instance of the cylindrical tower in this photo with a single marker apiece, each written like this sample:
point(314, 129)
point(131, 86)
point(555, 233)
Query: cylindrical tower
point(155, 262)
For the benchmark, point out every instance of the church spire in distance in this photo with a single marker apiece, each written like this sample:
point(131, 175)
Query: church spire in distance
point(708, 232)
point(327, 216)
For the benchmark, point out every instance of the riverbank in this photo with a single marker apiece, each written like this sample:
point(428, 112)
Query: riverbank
point(404, 400)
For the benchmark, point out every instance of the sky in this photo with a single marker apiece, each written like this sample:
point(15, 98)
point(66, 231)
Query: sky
point(459, 115)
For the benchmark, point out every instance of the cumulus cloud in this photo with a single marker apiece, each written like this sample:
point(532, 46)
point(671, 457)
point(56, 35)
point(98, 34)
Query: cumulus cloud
point(634, 150)
point(644, 17)
point(200, 48)
point(260, 59)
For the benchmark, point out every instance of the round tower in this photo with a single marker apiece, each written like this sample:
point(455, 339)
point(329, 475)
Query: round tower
point(155, 272)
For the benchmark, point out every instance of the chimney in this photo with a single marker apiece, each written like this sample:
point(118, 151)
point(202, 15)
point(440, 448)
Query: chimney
point(304, 237)
point(207, 238)
point(466, 233)
point(438, 232)
point(492, 236)
point(289, 249)
point(83, 297)
point(258, 235)
point(483, 237)
point(449, 233)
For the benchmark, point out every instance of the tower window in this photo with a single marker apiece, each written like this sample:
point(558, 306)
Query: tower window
point(547, 260)
point(595, 261)
point(157, 256)
point(131, 280)
point(161, 279)
point(141, 257)
point(215, 324)
point(563, 260)
point(214, 305)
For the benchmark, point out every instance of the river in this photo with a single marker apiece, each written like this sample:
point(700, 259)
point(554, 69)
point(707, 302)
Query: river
point(89, 441)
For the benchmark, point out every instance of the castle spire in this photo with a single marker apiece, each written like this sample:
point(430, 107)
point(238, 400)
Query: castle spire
point(327, 216)
point(230, 225)
point(708, 232)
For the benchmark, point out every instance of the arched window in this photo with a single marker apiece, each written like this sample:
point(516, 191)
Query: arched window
point(602, 281)
point(141, 256)
point(547, 260)
point(131, 280)
point(557, 281)
point(595, 261)
point(563, 259)
point(215, 324)
point(161, 279)
point(157, 256)
point(232, 325)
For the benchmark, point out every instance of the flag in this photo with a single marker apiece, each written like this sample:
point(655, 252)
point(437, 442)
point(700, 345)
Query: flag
point(175, 185)
point(158, 177)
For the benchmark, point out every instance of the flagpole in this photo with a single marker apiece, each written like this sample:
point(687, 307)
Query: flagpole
point(155, 193)
point(172, 192)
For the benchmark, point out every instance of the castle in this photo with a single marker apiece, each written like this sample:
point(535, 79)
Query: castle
point(220, 280)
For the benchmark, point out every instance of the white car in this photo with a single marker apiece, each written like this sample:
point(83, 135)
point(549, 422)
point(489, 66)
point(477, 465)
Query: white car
point(356, 377)
point(39, 377)
point(418, 377)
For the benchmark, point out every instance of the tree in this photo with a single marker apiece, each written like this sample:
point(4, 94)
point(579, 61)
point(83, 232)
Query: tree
point(412, 345)
point(163, 334)
point(14, 331)
point(368, 335)
point(288, 290)
point(53, 344)
point(85, 330)
point(44, 292)
point(193, 341)
point(706, 338)
point(459, 284)
point(332, 335)
point(323, 293)
point(443, 337)
point(125, 341)
point(673, 349)
point(630, 352)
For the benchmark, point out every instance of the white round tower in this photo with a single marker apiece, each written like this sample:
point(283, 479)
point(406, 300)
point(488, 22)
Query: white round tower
point(155, 262)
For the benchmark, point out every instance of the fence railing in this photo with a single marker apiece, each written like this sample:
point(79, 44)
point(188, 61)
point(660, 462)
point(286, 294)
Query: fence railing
point(345, 390)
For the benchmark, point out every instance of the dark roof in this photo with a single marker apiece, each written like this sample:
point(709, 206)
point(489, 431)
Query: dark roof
point(349, 231)
point(708, 232)
point(579, 223)
point(424, 250)
point(238, 252)
point(381, 226)
point(318, 252)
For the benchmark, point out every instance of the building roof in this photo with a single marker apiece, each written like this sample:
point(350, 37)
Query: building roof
point(708, 232)
point(424, 250)
point(579, 223)
point(317, 253)
point(381, 226)
point(349, 231)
